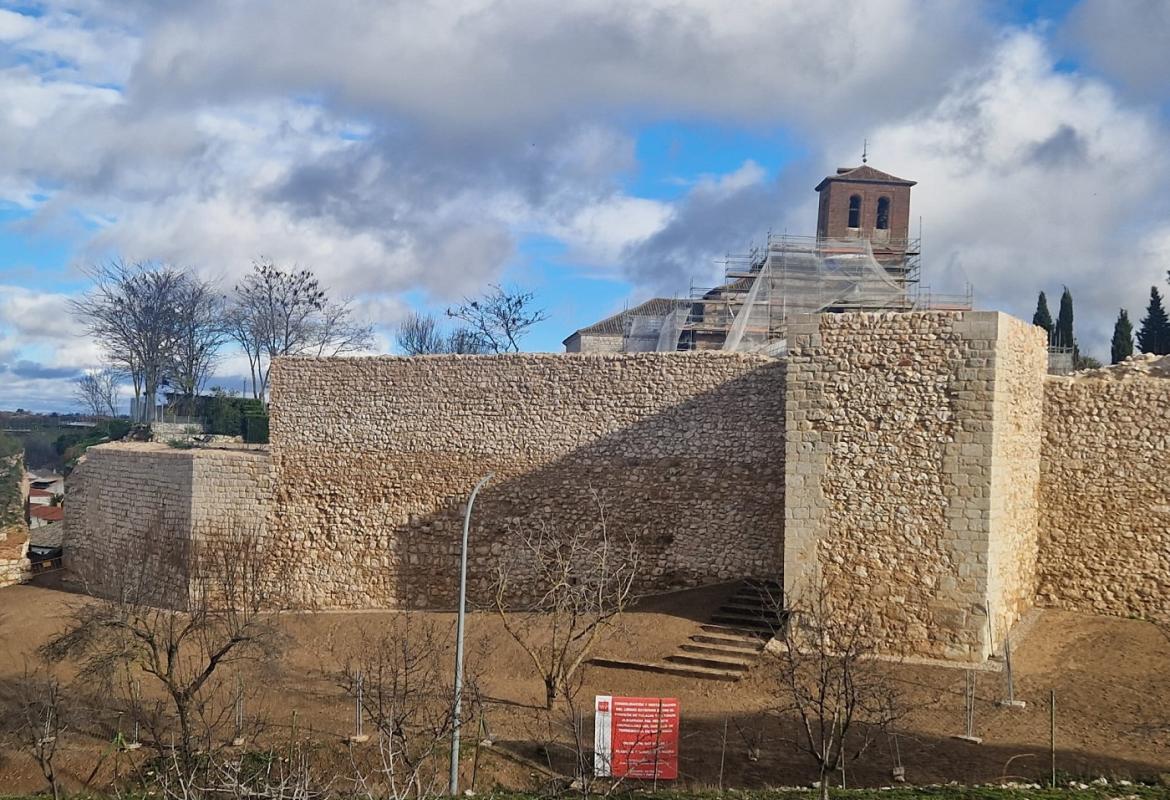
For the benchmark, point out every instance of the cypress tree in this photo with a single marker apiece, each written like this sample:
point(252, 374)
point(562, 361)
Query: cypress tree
point(1043, 317)
point(1154, 336)
point(1122, 346)
point(1063, 335)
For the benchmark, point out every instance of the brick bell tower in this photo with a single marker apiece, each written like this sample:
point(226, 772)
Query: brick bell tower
point(865, 203)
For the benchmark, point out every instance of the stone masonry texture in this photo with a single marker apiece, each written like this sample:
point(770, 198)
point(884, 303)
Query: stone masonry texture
point(374, 457)
point(895, 422)
point(133, 511)
point(1105, 497)
point(920, 461)
point(1020, 362)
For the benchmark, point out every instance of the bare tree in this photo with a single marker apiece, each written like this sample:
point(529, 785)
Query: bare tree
point(842, 698)
point(401, 675)
point(420, 335)
point(273, 315)
point(338, 332)
point(227, 618)
point(97, 391)
point(202, 331)
point(500, 318)
point(133, 311)
point(465, 342)
point(562, 591)
point(276, 313)
point(41, 720)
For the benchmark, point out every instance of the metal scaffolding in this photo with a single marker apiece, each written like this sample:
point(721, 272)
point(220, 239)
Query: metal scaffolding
point(790, 275)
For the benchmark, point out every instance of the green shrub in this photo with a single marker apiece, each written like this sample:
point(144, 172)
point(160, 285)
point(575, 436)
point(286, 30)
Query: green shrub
point(251, 406)
point(224, 417)
point(11, 476)
point(256, 428)
point(9, 445)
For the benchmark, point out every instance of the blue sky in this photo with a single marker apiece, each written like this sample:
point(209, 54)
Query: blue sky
point(596, 153)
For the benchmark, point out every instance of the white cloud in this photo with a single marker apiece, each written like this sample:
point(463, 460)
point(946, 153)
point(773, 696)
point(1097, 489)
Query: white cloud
point(1129, 41)
point(508, 65)
point(395, 146)
point(1032, 179)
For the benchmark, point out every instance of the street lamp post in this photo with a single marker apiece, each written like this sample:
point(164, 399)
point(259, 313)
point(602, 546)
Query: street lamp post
point(456, 716)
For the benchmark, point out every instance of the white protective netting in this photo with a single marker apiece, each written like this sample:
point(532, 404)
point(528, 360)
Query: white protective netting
point(672, 326)
point(648, 333)
point(642, 334)
point(805, 276)
point(794, 275)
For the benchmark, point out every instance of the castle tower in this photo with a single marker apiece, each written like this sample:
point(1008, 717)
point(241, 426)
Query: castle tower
point(862, 202)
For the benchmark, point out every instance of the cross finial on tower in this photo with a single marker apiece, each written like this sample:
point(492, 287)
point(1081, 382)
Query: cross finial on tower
point(864, 150)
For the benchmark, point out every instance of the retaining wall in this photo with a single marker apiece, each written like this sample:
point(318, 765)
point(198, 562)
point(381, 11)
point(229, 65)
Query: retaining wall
point(1105, 496)
point(373, 458)
point(133, 512)
point(919, 461)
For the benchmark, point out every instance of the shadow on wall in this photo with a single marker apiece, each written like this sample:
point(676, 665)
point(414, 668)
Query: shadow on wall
point(699, 485)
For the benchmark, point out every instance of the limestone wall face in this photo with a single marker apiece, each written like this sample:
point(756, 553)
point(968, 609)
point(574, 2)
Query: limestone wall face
point(891, 469)
point(133, 510)
point(1105, 496)
point(373, 459)
point(1021, 361)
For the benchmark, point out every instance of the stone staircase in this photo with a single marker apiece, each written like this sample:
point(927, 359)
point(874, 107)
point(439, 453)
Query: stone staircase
point(725, 647)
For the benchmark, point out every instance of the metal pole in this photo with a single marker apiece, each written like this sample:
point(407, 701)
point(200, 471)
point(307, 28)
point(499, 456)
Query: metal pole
point(1007, 660)
point(1052, 732)
point(357, 709)
point(456, 710)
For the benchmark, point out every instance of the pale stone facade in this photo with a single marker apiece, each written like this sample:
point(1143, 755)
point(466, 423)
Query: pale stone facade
point(374, 457)
point(920, 460)
point(895, 423)
point(134, 509)
point(1020, 363)
point(1105, 496)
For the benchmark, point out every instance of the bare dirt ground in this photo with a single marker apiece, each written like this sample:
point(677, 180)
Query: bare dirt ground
point(1111, 678)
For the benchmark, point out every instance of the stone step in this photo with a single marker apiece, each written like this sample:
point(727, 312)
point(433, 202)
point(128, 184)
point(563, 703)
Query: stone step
point(711, 662)
point(741, 651)
point(735, 630)
point(682, 670)
point(745, 641)
point(751, 598)
point(763, 611)
point(741, 620)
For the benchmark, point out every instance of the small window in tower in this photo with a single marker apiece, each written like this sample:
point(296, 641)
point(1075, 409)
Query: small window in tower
point(855, 211)
point(883, 214)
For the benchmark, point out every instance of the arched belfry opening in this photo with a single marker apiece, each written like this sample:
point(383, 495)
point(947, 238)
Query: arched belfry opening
point(855, 211)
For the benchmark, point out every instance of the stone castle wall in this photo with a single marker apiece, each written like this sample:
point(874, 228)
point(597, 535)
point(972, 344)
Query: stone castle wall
point(895, 497)
point(1020, 363)
point(374, 457)
point(921, 462)
point(133, 511)
point(1105, 496)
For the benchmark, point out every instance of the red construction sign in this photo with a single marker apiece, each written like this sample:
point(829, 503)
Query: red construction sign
point(636, 737)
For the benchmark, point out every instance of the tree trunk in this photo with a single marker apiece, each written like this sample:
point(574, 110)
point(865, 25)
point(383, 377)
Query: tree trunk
point(183, 714)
